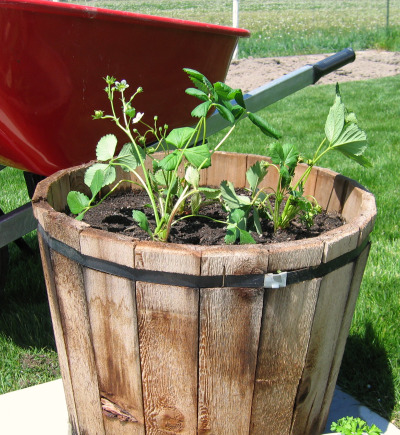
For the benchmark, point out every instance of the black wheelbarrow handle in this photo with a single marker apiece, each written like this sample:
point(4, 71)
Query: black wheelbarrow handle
point(286, 85)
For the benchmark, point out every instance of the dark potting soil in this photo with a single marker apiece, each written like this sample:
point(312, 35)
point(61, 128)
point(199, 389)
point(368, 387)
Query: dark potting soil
point(115, 215)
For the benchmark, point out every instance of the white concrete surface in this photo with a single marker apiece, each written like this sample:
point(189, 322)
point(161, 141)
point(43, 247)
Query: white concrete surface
point(41, 410)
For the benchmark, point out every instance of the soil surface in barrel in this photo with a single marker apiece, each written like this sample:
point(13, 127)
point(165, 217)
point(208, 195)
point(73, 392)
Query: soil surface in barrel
point(115, 215)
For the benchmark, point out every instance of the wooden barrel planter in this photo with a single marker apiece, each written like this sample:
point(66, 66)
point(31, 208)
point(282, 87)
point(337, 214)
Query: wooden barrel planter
point(179, 339)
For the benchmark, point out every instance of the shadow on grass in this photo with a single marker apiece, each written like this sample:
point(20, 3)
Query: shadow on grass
point(366, 374)
point(24, 311)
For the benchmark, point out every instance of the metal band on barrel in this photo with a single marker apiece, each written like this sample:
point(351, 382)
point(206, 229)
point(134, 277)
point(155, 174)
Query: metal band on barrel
point(269, 280)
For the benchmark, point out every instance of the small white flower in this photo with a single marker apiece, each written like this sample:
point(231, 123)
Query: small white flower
point(137, 118)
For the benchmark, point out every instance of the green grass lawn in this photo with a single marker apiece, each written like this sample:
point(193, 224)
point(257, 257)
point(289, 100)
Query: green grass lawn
point(281, 28)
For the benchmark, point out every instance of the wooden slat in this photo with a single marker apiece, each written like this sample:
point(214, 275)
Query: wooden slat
point(73, 314)
point(295, 255)
point(233, 169)
point(338, 190)
point(229, 332)
point(113, 320)
point(326, 326)
point(324, 187)
point(230, 320)
point(168, 337)
point(58, 334)
point(352, 201)
point(343, 334)
point(339, 241)
point(286, 327)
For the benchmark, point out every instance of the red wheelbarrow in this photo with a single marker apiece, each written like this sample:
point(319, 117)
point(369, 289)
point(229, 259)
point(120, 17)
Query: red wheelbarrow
point(53, 57)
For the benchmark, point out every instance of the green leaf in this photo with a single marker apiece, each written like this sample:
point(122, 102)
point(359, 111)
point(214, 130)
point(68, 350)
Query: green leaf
point(245, 237)
point(199, 80)
point(237, 95)
point(192, 176)
point(160, 178)
point(141, 220)
point(127, 159)
point(335, 120)
point(197, 155)
point(97, 182)
point(170, 161)
point(201, 110)
point(264, 126)
point(231, 198)
point(210, 193)
point(223, 90)
point(284, 155)
point(77, 201)
point(106, 147)
point(255, 174)
point(109, 173)
point(352, 143)
point(180, 136)
point(225, 113)
point(197, 93)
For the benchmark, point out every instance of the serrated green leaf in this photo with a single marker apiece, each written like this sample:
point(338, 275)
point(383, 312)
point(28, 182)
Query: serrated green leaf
point(160, 178)
point(77, 201)
point(192, 176)
point(97, 182)
point(106, 147)
point(284, 155)
point(141, 219)
point(127, 158)
point(170, 161)
point(255, 174)
point(361, 160)
point(231, 235)
point(109, 174)
point(237, 95)
point(352, 139)
point(264, 126)
point(335, 120)
point(210, 193)
point(194, 92)
point(197, 155)
point(199, 80)
point(223, 90)
point(201, 110)
point(231, 199)
point(225, 113)
point(179, 137)
point(245, 237)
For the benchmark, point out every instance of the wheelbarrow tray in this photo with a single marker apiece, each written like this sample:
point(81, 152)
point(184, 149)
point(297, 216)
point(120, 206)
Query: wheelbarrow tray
point(54, 56)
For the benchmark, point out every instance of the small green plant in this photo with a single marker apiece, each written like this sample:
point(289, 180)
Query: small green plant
point(354, 426)
point(174, 197)
point(171, 195)
point(286, 201)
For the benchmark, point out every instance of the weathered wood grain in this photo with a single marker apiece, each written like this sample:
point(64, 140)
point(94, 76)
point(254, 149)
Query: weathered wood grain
point(76, 331)
point(286, 327)
point(343, 334)
point(168, 337)
point(113, 320)
point(332, 299)
point(230, 320)
point(227, 166)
